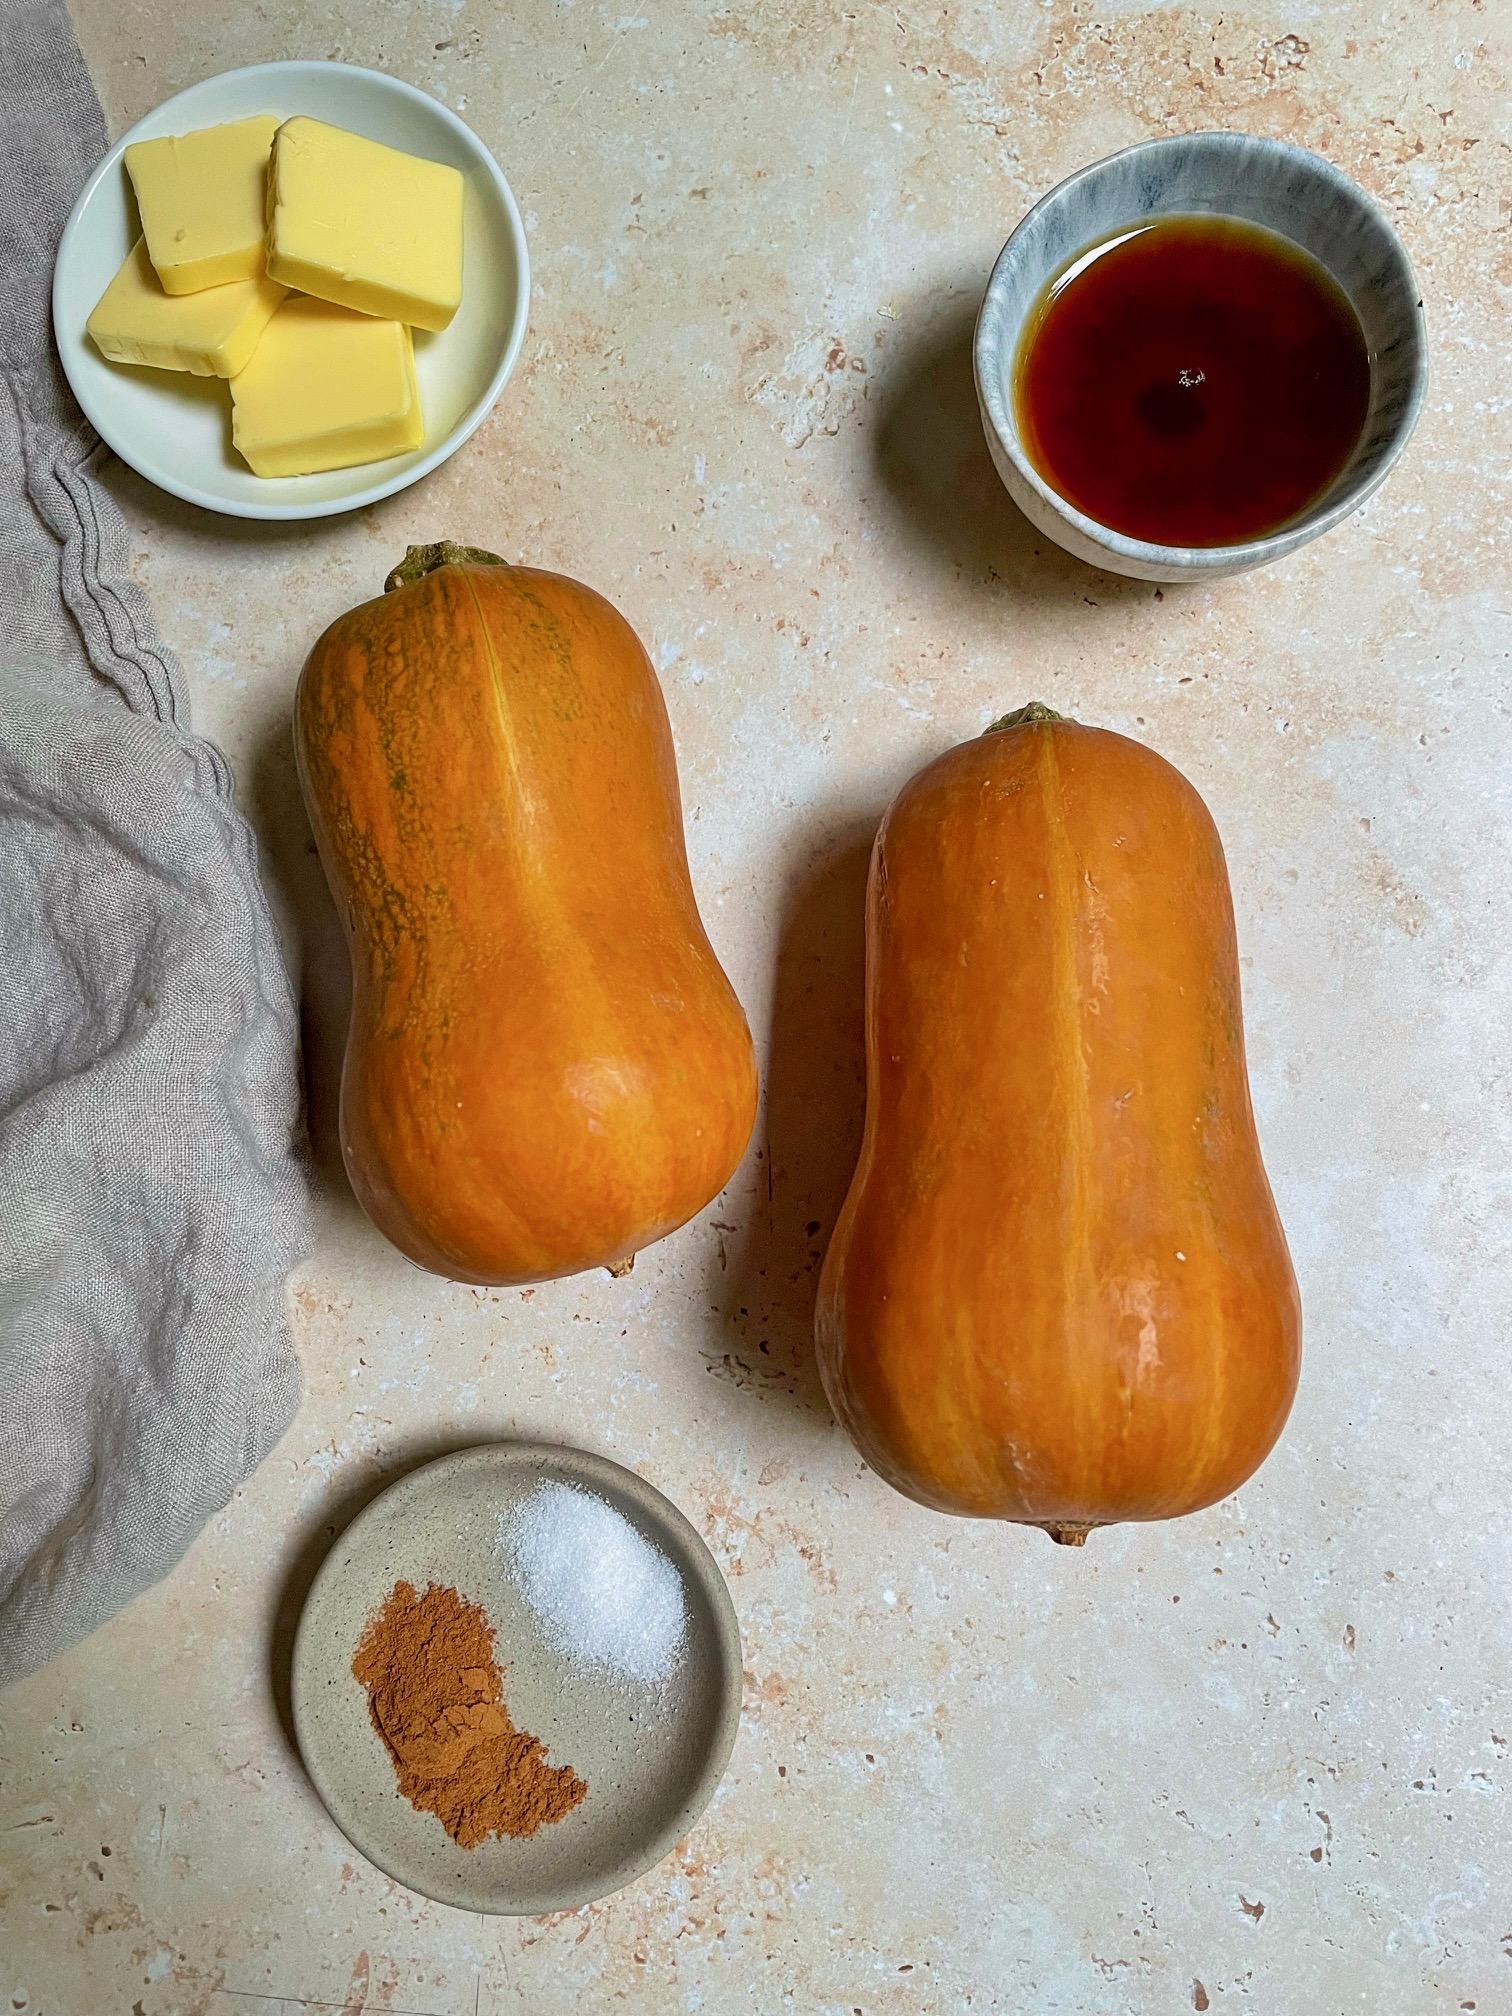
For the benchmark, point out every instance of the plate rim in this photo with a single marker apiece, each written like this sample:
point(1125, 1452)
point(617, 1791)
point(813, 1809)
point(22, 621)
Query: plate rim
point(330, 507)
point(581, 1465)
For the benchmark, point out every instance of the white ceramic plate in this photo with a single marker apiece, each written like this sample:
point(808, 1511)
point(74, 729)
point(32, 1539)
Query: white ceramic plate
point(175, 429)
point(652, 1759)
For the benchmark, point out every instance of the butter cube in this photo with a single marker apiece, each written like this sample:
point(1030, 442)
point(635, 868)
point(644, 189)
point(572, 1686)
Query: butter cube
point(211, 333)
point(326, 388)
point(203, 201)
point(358, 223)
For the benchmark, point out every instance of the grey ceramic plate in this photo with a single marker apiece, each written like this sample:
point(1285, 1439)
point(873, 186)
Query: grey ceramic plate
point(652, 1759)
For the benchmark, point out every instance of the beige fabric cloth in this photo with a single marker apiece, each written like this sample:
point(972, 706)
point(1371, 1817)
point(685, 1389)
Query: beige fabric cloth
point(153, 1194)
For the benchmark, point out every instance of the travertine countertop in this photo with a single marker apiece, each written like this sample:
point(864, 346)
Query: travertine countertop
point(1257, 1760)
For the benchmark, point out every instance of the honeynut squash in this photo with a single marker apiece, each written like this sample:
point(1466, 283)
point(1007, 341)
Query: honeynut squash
point(1058, 1292)
point(547, 1068)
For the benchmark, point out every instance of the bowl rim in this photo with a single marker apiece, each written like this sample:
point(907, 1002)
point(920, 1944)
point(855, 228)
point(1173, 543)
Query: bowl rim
point(678, 1538)
point(1242, 554)
point(328, 507)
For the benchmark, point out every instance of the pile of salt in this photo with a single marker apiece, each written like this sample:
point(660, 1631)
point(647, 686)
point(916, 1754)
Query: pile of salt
point(602, 1593)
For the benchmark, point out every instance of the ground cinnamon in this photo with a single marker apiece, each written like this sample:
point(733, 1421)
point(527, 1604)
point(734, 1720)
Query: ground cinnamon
point(436, 1698)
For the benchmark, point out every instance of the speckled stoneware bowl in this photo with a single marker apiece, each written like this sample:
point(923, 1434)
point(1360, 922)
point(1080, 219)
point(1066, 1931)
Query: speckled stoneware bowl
point(1268, 182)
point(652, 1756)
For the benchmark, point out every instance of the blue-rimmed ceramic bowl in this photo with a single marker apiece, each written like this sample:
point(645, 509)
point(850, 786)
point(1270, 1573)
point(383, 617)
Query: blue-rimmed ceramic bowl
point(1268, 182)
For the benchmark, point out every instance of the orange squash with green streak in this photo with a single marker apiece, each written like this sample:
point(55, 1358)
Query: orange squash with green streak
point(1058, 1291)
point(546, 1067)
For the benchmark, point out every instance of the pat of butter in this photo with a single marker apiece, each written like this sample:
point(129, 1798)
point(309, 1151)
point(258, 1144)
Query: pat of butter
point(352, 221)
point(203, 202)
point(212, 333)
point(326, 388)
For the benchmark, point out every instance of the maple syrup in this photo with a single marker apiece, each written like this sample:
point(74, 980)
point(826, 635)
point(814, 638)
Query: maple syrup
point(1194, 381)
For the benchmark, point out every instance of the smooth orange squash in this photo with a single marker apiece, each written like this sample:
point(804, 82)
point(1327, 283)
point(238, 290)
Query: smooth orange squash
point(546, 1067)
point(1058, 1291)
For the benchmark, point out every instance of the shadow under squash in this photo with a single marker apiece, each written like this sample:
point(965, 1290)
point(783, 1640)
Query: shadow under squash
point(325, 984)
point(815, 1107)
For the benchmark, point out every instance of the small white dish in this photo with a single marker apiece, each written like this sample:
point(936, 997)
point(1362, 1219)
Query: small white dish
point(175, 429)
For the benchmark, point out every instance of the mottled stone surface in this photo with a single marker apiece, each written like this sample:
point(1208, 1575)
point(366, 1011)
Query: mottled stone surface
point(1256, 1761)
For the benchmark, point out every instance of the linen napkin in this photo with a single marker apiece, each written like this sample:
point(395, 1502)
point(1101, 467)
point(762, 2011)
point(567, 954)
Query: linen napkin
point(153, 1195)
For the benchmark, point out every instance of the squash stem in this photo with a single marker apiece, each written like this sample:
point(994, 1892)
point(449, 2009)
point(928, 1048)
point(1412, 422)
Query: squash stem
point(1067, 1532)
point(1023, 717)
point(422, 560)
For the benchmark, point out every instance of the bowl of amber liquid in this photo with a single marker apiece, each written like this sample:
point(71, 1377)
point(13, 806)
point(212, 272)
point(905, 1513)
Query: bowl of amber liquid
point(1198, 354)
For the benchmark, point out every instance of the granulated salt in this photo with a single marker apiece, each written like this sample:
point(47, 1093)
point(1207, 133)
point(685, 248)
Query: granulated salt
point(601, 1592)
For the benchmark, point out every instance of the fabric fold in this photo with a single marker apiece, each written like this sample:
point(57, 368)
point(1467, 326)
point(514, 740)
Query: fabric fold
point(153, 1191)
